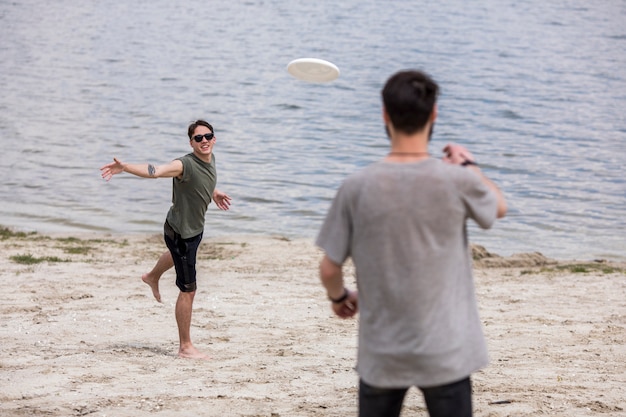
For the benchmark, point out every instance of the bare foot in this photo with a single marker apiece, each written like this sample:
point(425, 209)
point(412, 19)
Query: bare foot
point(154, 285)
point(192, 353)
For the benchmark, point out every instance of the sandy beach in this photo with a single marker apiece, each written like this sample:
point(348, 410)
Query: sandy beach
point(81, 335)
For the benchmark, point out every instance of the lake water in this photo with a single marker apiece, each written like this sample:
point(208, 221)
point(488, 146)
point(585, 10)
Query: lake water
point(535, 89)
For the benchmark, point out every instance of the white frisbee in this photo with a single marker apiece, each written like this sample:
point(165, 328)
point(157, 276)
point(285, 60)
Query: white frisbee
point(313, 70)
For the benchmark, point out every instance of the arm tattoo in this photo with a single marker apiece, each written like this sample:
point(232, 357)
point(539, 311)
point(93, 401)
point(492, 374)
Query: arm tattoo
point(151, 170)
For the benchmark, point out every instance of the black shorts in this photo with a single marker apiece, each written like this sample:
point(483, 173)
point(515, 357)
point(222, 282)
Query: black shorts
point(184, 255)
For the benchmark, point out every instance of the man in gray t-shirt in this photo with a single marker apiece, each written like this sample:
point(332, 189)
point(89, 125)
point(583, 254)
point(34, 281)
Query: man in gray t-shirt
point(402, 220)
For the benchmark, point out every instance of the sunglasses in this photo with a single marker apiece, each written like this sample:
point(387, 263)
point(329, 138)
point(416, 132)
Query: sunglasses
point(207, 136)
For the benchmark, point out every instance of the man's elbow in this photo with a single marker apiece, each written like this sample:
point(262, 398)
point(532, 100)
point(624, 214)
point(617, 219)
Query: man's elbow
point(502, 209)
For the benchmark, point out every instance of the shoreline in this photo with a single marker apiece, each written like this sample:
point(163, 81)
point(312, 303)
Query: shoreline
point(568, 254)
point(481, 255)
point(82, 335)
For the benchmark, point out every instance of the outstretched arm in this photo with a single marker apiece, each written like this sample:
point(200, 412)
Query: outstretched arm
point(172, 169)
point(222, 200)
point(458, 155)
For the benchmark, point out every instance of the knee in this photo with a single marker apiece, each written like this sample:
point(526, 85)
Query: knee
point(187, 288)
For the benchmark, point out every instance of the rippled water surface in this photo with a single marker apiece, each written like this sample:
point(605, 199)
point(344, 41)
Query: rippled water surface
point(536, 91)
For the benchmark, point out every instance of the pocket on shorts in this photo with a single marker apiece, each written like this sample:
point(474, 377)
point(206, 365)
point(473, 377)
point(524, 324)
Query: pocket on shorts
point(169, 232)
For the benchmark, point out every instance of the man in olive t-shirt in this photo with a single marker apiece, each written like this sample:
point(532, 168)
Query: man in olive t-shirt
point(194, 178)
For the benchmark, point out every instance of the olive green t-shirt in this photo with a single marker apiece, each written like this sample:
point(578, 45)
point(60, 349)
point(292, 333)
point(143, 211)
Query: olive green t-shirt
point(191, 195)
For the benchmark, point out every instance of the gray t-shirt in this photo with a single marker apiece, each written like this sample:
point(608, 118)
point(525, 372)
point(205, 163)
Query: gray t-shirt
point(191, 195)
point(404, 225)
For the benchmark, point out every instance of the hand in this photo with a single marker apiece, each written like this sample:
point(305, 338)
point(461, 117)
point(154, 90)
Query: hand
point(349, 307)
point(222, 200)
point(456, 154)
point(111, 169)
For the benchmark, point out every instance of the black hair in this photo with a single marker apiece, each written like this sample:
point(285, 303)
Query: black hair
point(194, 125)
point(409, 98)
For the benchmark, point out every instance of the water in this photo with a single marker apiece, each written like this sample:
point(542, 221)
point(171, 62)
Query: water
point(536, 91)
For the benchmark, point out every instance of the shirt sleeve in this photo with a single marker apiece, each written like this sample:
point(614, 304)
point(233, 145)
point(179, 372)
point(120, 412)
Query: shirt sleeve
point(186, 169)
point(336, 232)
point(480, 201)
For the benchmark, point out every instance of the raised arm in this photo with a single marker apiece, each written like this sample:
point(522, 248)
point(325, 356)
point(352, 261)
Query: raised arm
point(172, 169)
point(457, 154)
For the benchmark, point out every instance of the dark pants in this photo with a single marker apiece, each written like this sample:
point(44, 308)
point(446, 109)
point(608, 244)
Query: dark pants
point(451, 400)
point(184, 255)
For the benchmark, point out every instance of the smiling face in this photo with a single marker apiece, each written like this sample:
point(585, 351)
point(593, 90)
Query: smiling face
point(204, 148)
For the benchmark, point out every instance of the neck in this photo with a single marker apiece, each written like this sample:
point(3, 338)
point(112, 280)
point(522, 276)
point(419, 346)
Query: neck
point(206, 157)
point(407, 153)
point(398, 153)
point(402, 157)
point(408, 147)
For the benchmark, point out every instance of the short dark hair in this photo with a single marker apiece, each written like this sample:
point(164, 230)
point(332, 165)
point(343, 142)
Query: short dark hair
point(194, 125)
point(409, 98)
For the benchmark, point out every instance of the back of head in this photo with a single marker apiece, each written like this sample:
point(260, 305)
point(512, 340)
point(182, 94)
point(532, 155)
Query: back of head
point(192, 127)
point(409, 98)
